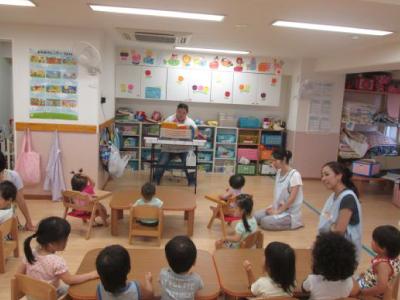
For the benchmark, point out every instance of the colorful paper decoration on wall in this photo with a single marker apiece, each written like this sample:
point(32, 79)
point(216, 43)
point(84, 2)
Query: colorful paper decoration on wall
point(152, 92)
point(53, 85)
point(161, 58)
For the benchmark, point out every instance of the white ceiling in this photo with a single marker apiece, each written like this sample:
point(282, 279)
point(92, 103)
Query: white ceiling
point(258, 37)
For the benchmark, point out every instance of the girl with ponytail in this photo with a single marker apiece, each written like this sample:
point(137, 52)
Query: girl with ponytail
point(285, 211)
point(342, 210)
point(43, 263)
point(244, 227)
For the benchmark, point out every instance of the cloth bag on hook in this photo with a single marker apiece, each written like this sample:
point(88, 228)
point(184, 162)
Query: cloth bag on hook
point(28, 162)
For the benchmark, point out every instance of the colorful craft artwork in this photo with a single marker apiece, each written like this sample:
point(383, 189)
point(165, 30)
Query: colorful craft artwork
point(264, 67)
point(227, 94)
point(148, 59)
point(199, 61)
point(274, 80)
point(180, 79)
point(199, 89)
point(252, 65)
point(173, 60)
point(136, 57)
point(147, 73)
point(214, 64)
point(124, 55)
point(226, 62)
point(244, 88)
point(239, 65)
point(186, 60)
point(151, 92)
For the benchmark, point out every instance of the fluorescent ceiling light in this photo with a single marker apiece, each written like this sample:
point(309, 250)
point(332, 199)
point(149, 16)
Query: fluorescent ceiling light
point(330, 28)
point(156, 13)
point(212, 50)
point(17, 2)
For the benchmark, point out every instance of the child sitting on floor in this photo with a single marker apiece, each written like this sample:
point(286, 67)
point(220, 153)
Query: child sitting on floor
point(385, 265)
point(85, 185)
point(280, 269)
point(43, 263)
point(148, 193)
point(113, 265)
point(333, 264)
point(8, 194)
point(177, 282)
point(246, 226)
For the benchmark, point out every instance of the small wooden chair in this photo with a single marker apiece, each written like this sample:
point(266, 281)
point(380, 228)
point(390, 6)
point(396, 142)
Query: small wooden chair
point(145, 212)
point(23, 285)
point(9, 227)
point(219, 211)
point(88, 204)
point(254, 239)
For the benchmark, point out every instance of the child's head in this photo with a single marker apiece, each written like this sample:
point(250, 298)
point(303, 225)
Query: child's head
point(334, 257)
point(386, 240)
point(244, 204)
point(148, 191)
point(280, 265)
point(52, 235)
point(113, 265)
point(3, 162)
point(79, 181)
point(181, 254)
point(8, 193)
point(237, 181)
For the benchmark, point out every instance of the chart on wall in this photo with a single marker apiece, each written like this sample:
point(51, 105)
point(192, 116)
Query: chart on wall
point(53, 85)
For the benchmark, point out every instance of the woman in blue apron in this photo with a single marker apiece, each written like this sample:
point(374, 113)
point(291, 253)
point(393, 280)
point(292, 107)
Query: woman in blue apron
point(285, 211)
point(342, 210)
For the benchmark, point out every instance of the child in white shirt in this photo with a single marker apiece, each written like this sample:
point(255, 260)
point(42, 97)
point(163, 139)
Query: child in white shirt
point(280, 269)
point(8, 194)
point(334, 262)
point(148, 193)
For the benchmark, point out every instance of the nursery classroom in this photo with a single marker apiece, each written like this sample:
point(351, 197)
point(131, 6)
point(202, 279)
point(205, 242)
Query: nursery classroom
point(240, 126)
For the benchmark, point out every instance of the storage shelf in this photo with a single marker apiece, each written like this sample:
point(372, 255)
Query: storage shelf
point(234, 144)
point(127, 148)
point(205, 150)
point(205, 161)
point(131, 135)
point(220, 158)
point(244, 144)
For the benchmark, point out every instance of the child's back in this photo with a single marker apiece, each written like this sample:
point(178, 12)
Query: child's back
point(176, 281)
point(113, 265)
point(334, 262)
point(8, 194)
point(148, 192)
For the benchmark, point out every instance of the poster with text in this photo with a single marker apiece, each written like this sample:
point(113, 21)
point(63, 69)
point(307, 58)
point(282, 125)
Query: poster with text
point(53, 85)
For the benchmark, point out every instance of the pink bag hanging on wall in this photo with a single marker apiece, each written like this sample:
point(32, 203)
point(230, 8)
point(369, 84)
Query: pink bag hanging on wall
point(28, 162)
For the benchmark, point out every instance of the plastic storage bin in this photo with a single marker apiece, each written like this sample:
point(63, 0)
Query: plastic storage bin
point(250, 154)
point(246, 169)
point(366, 167)
point(271, 139)
point(226, 138)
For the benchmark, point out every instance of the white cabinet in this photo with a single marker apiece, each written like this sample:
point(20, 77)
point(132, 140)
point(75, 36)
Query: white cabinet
point(245, 88)
point(177, 84)
point(199, 85)
point(268, 90)
point(127, 81)
point(153, 83)
point(221, 87)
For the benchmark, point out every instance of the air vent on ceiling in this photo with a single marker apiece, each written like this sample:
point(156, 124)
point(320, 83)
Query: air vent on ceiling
point(163, 37)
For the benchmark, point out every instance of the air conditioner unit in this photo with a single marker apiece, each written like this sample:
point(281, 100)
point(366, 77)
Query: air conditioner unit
point(162, 37)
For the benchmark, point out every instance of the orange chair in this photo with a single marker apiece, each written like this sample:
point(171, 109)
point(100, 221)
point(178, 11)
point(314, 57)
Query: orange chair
point(23, 285)
point(255, 239)
point(87, 205)
point(219, 212)
point(8, 228)
point(145, 212)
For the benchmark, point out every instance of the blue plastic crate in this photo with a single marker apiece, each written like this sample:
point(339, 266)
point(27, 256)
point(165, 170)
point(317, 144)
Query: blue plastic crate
point(226, 138)
point(269, 139)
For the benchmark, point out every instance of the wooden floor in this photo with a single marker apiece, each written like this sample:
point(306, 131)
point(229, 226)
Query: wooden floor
point(376, 205)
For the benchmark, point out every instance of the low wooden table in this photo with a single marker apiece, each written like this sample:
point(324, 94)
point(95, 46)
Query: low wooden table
point(174, 200)
point(148, 260)
point(233, 277)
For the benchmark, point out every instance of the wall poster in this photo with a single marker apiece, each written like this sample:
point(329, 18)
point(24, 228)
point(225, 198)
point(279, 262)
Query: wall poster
point(53, 85)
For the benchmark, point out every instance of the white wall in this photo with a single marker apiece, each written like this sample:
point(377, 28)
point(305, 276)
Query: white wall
point(107, 79)
point(210, 111)
point(5, 90)
point(52, 38)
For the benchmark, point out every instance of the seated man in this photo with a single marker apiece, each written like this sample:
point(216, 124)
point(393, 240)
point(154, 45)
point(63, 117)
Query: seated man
point(169, 152)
